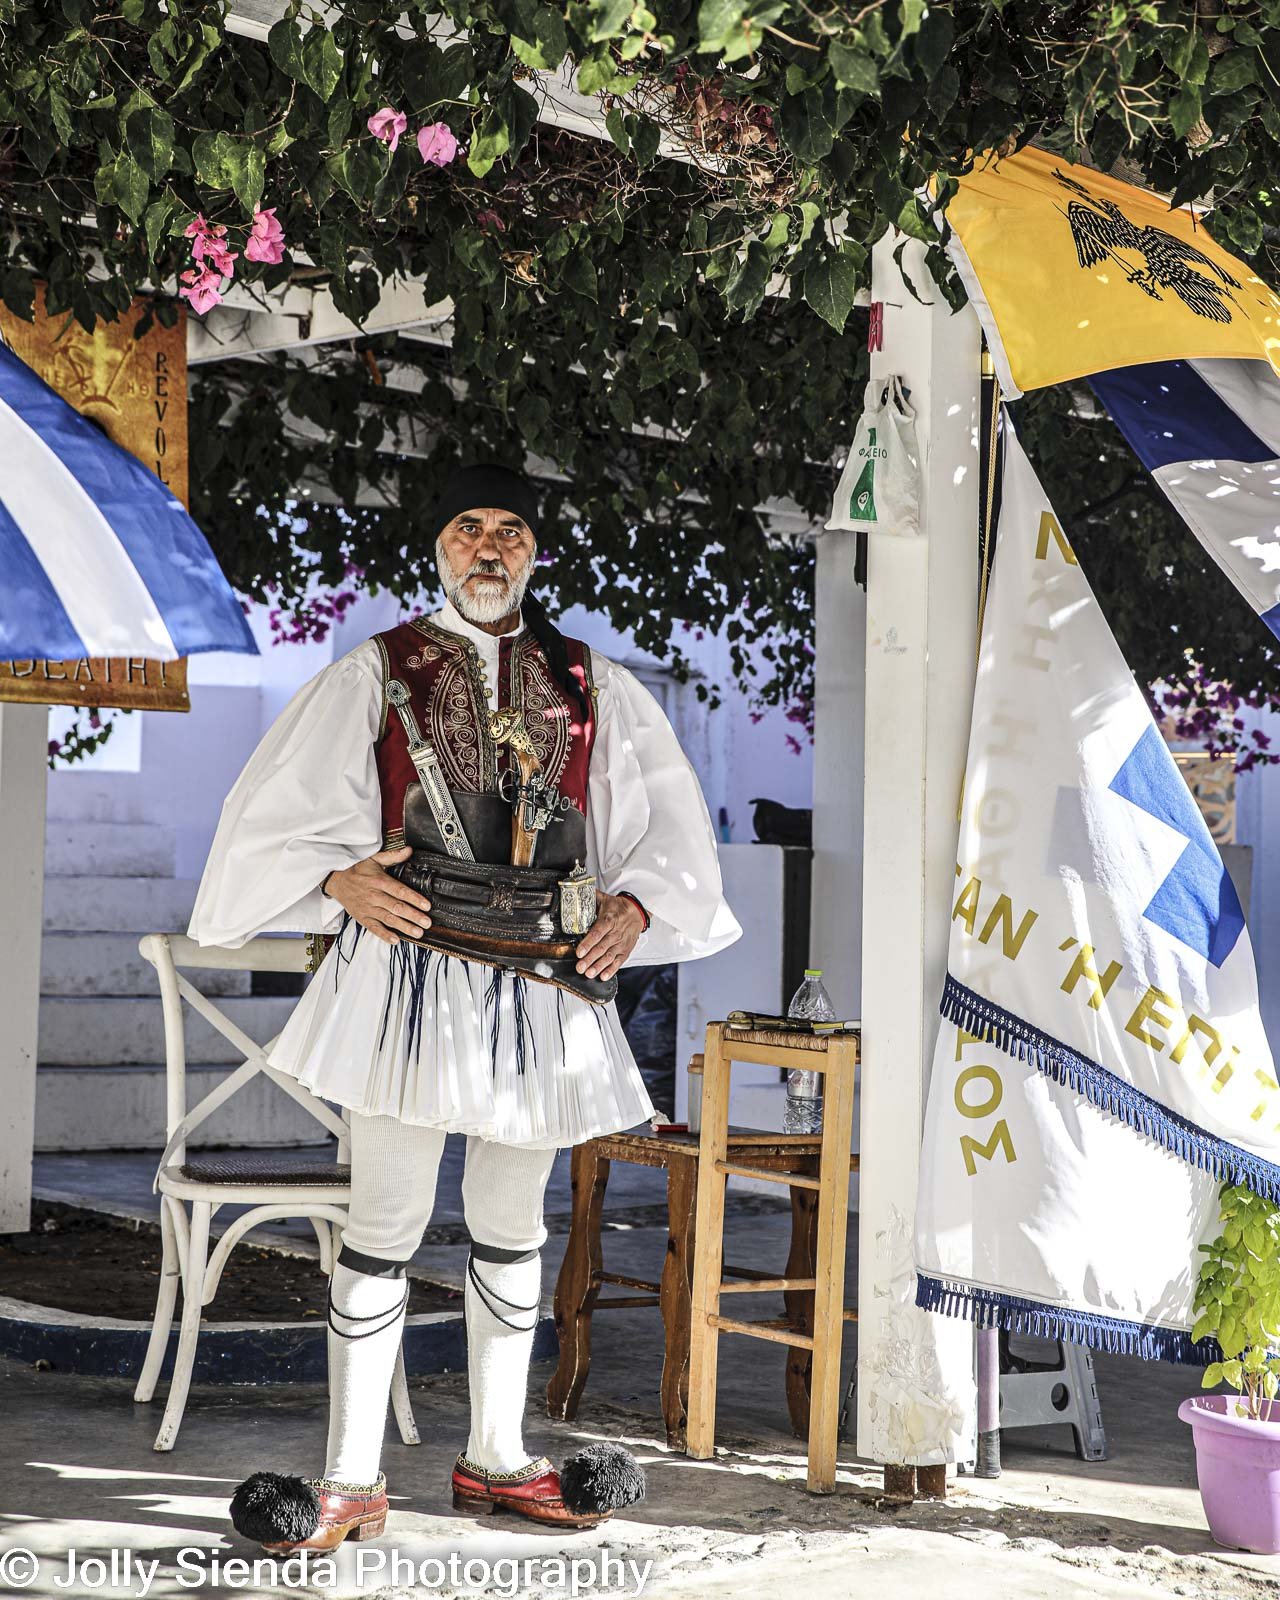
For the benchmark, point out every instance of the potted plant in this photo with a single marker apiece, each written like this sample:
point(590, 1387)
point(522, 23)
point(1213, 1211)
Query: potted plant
point(1237, 1436)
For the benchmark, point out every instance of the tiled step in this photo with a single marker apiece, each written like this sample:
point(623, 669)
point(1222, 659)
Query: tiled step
point(109, 965)
point(108, 1032)
point(129, 1110)
point(96, 904)
point(108, 850)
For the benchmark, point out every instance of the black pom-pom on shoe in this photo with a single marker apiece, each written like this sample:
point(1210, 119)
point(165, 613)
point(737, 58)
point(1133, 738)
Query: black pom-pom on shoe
point(273, 1508)
point(601, 1477)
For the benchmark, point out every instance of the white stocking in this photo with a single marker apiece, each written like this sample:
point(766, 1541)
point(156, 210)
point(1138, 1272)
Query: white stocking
point(393, 1179)
point(502, 1193)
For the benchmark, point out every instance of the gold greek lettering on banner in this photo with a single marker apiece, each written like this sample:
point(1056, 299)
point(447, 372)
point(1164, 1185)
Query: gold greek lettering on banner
point(980, 1074)
point(1000, 918)
point(1051, 528)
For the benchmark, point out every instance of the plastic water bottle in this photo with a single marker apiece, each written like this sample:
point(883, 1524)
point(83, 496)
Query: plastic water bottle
point(803, 1110)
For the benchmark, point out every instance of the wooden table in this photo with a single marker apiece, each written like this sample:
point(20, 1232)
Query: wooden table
point(583, 1275)
point(837, 1059)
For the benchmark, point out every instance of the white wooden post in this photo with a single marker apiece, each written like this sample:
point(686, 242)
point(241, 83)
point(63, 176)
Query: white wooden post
point(24, 742)
point(835, 919)
point(920, 646)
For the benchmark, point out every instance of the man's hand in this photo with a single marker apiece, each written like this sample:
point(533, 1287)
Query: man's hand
point(611, 937)
point(378, 901)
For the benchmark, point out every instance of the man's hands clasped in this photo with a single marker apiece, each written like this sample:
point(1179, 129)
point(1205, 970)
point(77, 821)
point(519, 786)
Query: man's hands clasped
point(390, 910)
point(379, 902)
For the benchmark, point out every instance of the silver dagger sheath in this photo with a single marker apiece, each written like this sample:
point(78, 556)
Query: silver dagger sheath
point(428, 769)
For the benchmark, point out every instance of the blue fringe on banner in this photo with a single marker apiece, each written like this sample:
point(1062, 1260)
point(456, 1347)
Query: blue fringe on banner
point(1225, 1161)
point(990, 1308)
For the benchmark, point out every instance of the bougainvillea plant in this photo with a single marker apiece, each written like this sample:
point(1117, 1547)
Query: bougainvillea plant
point(1210, 717)
point(88, 731)
point(659, 313)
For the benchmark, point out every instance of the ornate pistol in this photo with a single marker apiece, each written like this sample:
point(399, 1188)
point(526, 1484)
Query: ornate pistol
point(535, 801)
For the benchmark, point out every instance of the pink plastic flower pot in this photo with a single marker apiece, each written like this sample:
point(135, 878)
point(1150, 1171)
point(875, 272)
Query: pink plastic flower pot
point(1238, 1469)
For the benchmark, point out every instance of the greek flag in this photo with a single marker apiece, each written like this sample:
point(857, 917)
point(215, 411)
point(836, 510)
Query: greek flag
point(98, 557)
point(1102, 1064)
point(1209, 434)
point(1179, 338)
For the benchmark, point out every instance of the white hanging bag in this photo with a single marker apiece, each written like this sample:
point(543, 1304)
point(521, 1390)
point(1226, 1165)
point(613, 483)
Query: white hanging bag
point(879, 489)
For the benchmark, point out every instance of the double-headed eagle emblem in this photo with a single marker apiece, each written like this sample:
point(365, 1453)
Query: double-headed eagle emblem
point(1100, 230)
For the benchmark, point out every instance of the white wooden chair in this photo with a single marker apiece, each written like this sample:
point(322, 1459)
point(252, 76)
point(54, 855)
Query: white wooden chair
point(319, 1190)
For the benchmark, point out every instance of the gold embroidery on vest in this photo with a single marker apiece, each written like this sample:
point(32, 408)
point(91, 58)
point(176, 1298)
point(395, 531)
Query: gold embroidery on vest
point(458, 712)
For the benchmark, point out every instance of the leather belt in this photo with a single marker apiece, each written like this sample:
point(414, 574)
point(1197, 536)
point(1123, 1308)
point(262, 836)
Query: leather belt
point(501, 916)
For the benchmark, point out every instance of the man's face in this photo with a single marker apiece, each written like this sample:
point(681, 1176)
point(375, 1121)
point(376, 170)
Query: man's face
point(485, 557)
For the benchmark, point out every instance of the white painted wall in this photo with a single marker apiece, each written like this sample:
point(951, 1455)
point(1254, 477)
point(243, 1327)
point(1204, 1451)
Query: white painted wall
point(1258, 825)
point(747, 975)
point(835, 923)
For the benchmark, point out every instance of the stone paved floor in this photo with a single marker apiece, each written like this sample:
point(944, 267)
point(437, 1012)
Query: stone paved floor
point(77, 1470)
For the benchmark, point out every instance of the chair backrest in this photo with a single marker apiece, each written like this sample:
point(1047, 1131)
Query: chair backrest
point(167, 952)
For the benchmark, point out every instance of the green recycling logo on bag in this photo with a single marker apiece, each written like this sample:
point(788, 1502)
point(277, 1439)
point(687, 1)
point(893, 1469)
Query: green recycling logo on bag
point(862, 503)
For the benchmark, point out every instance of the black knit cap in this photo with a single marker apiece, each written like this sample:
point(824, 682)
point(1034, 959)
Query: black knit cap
point(486, 483)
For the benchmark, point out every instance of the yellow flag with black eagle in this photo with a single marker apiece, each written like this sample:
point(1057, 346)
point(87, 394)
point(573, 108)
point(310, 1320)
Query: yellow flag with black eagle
point(1073, 272)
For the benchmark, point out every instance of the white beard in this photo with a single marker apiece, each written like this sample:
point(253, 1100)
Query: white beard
point(494, 601)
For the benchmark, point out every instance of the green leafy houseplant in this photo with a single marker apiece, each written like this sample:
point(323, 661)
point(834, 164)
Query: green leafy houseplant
point(1238, 1300)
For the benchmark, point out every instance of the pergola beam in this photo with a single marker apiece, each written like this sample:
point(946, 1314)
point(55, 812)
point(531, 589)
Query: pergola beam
point(782, 516)
point(227, 332)
point(403, 436)
point(560, 102)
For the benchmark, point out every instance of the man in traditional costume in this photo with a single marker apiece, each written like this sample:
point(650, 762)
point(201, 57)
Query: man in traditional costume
point(490, 819)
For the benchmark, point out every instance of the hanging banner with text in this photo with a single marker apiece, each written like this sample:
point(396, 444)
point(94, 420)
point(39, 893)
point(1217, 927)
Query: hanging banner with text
point(1102, 1065)
point(135, 390)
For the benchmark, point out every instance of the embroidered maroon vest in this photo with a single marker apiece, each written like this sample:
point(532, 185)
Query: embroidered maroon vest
point(445, 679)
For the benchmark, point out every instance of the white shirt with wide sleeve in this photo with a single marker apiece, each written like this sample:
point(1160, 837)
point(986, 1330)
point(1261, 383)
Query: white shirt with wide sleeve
point(561, 1071)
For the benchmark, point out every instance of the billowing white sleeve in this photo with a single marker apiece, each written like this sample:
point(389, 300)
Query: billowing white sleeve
point(307, 801)
point(649, 826)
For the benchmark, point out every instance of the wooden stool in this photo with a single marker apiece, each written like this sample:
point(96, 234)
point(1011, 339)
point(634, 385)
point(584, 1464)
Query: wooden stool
point(837, 1059)
point(582, 1273)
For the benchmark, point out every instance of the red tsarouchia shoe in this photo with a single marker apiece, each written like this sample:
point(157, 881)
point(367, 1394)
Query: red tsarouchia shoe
point(533, 1491)
point(283, 1513)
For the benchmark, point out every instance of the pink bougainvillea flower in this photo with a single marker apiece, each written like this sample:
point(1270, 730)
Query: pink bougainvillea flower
point(202, 286)
point(266, 239)
point(220, 258)
point(490, 221)
point(208, 241)
point(436, 144)
point(387, 125)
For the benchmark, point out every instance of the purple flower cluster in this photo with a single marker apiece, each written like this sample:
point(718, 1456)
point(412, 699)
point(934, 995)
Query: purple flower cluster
point(1204, 712)
point(309, 621)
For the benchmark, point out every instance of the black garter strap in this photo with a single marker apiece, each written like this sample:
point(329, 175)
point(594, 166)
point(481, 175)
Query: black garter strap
point(385, 1319)
point(372, 1267)
point(495, 1252)
point(485, 1291)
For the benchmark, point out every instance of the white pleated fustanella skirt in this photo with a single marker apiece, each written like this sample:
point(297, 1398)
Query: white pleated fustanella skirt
point(403, 1031)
